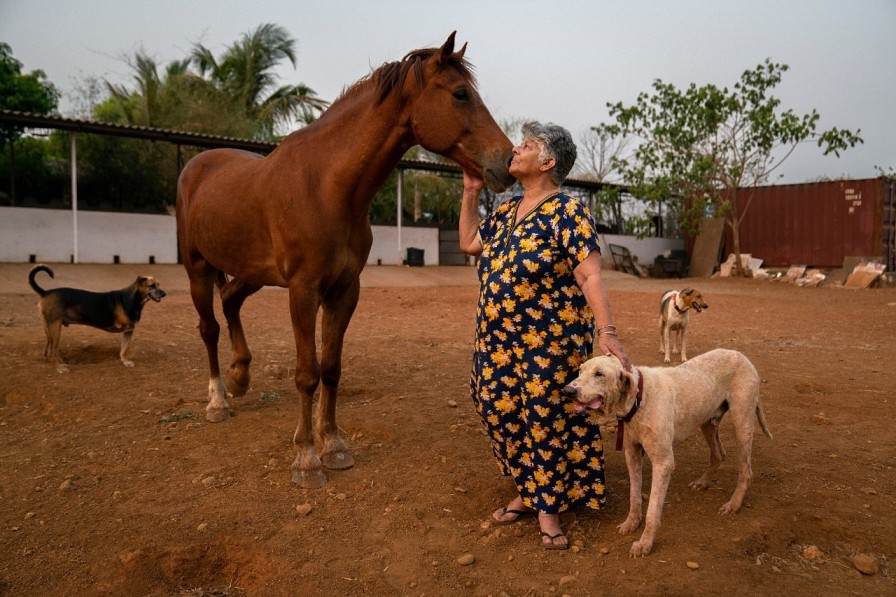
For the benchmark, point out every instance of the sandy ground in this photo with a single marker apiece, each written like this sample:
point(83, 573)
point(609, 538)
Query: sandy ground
point(112, 482)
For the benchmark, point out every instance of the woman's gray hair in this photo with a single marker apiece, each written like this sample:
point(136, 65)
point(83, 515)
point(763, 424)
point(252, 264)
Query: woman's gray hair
point(555, 142)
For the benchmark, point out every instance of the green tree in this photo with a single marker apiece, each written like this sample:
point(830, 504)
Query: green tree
point(698, 148)
point(29, 92)
point(244, 73)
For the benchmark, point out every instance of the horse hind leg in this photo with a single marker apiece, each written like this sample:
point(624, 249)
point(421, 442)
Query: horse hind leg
point(233, 294)
point(202, 292)
point(337, 312)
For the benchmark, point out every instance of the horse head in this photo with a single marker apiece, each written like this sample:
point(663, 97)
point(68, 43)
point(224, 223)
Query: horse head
point(447, 116)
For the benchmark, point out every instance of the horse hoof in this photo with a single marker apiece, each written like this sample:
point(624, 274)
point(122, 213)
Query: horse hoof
point(338, 460)
point(217, 415)
point(309, 479)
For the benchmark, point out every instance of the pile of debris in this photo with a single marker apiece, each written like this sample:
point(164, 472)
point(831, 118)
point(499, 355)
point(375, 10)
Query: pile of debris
point(857, 272)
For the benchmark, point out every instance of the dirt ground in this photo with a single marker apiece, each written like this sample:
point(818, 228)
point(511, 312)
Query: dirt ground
point(112, 482)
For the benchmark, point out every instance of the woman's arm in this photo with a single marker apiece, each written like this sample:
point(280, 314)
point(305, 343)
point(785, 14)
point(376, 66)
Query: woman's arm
point(588, 277)
point(468, 227)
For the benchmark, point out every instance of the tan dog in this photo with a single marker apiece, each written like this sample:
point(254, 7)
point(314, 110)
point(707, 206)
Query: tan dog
point(674, 310)
point(117, 311)
point(660, 406)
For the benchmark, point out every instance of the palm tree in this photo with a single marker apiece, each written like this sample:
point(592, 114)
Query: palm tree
point(146, 105)
point(245, 74)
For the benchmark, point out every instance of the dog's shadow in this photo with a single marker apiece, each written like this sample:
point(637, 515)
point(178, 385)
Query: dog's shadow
point(91, 354)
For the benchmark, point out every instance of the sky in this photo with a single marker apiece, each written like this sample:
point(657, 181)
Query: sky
point(560, 61)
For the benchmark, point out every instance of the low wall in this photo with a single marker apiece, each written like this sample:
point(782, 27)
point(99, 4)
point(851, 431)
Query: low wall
point(47, 235)
point(137, 238)
point(385, 249)
point(645, 249)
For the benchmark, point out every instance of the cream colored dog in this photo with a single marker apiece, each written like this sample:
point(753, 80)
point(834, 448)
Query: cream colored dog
point(675, 308)
point(660, 406)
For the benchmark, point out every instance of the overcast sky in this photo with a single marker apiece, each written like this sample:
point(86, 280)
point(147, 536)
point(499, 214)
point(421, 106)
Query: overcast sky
point(550, 61)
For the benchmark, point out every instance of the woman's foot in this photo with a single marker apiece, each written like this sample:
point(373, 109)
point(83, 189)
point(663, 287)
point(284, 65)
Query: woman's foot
point(512, 512)
point(552, 536)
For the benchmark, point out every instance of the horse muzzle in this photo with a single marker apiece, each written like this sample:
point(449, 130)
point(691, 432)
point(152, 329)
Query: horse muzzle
point(495, 172)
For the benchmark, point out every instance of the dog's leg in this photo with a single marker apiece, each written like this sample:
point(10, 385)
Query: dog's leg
point(125, 344)
point(663, 464)
point(744, 433)
point(634, 458)
point(662, 336)
point(668, 338)
point(710, 431)
point(51, 352)
point(743, 403)
point(684, 341)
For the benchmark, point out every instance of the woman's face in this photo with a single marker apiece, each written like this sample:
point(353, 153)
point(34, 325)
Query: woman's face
point(526, 160)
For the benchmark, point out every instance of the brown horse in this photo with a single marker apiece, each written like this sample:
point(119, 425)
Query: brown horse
point(298, 219)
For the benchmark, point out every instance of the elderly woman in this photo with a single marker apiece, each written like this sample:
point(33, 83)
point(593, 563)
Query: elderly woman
point(541, 299)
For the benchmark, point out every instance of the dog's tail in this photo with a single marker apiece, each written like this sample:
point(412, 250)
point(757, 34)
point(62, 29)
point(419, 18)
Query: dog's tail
point(34, 270)
point(761, 417)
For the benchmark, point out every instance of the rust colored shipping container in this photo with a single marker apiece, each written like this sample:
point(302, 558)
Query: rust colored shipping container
point(818, 224)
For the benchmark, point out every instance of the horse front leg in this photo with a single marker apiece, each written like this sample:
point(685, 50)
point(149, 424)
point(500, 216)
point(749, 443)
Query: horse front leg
point(303, 305)
point(233, 294)
point(201, 290)
point(338, 309)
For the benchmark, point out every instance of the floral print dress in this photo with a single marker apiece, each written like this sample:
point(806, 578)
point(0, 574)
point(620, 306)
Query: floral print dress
point(533, 330)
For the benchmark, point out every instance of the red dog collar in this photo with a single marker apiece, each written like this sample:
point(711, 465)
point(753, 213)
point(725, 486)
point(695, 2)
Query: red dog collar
point(621, 421)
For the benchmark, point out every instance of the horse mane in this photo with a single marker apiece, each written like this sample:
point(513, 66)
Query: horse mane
point(391, 75)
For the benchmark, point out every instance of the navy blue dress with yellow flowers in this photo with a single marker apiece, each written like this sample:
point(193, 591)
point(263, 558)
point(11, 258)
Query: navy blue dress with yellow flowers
point(533, 330)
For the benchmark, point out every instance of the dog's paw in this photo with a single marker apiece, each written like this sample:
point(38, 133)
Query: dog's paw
point(700, 484)
point(640, 549)
point(62, 369)
point(729, 508)
point(127, 362)
point(630, 525)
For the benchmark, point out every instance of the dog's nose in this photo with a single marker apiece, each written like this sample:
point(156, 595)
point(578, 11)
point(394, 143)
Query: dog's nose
point(569, 391)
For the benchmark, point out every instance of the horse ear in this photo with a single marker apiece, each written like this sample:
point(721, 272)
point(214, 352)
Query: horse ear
point(460, 54)
point(447, 49)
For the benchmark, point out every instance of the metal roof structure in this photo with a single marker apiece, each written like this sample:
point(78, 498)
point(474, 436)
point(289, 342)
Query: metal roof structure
point(51, 121)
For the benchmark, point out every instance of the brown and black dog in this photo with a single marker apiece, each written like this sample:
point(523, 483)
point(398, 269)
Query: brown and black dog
point(117, 311)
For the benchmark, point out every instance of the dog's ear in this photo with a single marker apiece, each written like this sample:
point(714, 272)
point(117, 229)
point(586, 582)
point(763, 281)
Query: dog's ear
point(685, 291)
point(628, 388)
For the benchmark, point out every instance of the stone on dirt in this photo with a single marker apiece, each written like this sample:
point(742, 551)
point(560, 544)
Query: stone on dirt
point(866, 564)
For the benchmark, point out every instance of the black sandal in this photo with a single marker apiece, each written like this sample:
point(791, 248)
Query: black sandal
point(520, 514)
point(553, 545)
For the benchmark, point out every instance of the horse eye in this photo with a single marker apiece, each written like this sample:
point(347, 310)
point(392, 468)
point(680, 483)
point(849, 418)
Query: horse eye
point(461, 95)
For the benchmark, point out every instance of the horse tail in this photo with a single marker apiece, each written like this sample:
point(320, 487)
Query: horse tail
point(34, 270)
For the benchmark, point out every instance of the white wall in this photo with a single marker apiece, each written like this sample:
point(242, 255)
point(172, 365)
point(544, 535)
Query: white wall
point(645, 249)
point(47, 234)
point(385, 249)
